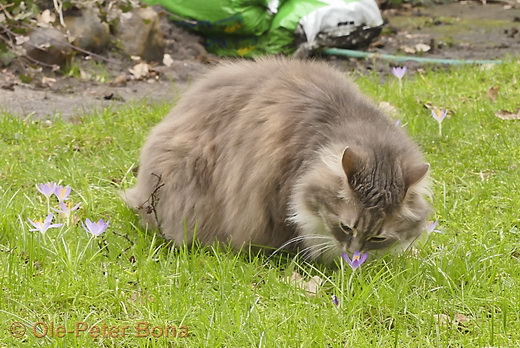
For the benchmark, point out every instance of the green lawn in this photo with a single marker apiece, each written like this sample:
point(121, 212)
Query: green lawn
point(460, 289)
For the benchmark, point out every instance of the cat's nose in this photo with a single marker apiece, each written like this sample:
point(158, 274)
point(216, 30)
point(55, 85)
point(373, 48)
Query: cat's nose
point(355, 245)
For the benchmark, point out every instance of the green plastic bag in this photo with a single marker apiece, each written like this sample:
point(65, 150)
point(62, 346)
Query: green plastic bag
point(228, 17)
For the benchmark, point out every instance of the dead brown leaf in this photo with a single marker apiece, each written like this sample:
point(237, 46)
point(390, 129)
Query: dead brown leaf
point(141, 297)
point(507, 115)
point(84, 75)
point(442, 319)
point(422, 47)
point(460, 318)
point(21, 39)
point(311, 286)
point(484, 174)
point(408, 49)
point(388, 108)
point(48, 81)
point(45, 19)
point(167, 60)
point(120, 80)
point(140, 70)
point(492, 93)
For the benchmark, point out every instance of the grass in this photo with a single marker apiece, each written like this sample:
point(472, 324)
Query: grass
point(459, 290)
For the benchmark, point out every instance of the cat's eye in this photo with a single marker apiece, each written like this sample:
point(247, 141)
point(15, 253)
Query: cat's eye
point(345, 228)
point(376, 239)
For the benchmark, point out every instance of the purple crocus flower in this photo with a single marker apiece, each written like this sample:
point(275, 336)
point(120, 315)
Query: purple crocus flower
point(66, 209)
point(357, 259)
point(43, 226)
point(335, 300)
point(46, 189)
point(95, 228)
point(431, 227)
point(62, 192)
point(399, 72)
point(439, 114)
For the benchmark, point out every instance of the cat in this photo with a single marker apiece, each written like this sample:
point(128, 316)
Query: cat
point(282, 153)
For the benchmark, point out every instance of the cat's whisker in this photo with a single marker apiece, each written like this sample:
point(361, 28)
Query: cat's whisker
point(305, 253)
point(299, 239)
point(322, 250)
point(313, 250)
point(296, 240)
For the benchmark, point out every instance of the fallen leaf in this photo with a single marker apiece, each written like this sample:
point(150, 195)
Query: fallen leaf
point(45, 18)
point(507, 115)
point(140, 70)
point(408, 49)
point(460, 318)
point(421, 47)
point(488, 66)
point(442, 319)
point(120, 80)
point(84, 75)
point(428, 105)
point(141, 297)
point(484, 174)
point(461, 322)
point(48, 81)
point(388, 108)
point(492, 93)
point(167, 60)
point(43, 46)
point(20, 39)
point(311, 286)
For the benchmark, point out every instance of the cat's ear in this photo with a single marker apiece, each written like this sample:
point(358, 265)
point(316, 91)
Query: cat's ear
point(414, 174)
point(351, 161)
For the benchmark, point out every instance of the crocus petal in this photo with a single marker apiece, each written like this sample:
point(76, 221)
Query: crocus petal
point(48, 219)
point(37, 224)
point(44, 226)
point(95, 228)
point(65, 208)
point(357, 259)
point(399, 72)
point(335, 300)
point(439, 114)
point(430, 227)
point(46, 189)
point(62, 192)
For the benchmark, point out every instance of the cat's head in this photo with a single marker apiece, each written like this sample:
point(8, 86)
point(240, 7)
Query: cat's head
point(360, 201)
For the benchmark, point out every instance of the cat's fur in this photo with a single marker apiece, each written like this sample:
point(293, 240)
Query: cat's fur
point(279, 152)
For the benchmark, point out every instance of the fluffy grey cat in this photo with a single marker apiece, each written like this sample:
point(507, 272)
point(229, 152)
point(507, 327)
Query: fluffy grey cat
point(282, 153)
